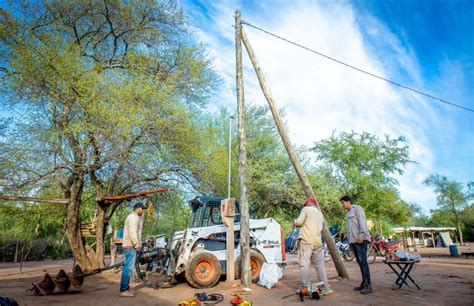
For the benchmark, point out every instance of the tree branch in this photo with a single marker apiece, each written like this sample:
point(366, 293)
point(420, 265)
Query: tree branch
point(32, 199)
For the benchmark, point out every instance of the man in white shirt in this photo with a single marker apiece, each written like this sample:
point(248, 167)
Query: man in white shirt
point(132, 232)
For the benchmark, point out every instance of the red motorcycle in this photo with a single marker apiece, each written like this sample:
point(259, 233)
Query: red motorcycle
point(379, 247)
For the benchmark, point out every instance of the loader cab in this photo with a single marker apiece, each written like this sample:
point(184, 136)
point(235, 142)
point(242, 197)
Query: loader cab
point(206, 211)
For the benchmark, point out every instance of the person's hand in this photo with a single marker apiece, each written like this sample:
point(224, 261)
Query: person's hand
point(359, 240)
point(138, 248)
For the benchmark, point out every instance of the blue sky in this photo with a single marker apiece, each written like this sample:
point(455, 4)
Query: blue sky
point(428, 45)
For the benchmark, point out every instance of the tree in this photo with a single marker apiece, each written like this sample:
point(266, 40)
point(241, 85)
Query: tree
point(468, 221)
point(274, 190)
point(363, 164)
point(417, 216)
point(450, 196)
point(102, 97)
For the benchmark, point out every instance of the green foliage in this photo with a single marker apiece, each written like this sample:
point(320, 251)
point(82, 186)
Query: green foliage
point(451, 197)
point(33, 231)
point(273, 189)
point(105, 84)
point(446, 218)
point(358, 160)
point(449, 194)
point(363, 165)
point(442, 217)
point(27, 221)
point(104, 96)
point(468, 222)
point(36, 249)
point(170, 214)
point(327, 191)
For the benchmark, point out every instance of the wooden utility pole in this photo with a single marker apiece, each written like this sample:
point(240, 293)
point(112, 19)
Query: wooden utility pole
point(341, 270)
point(244, 204)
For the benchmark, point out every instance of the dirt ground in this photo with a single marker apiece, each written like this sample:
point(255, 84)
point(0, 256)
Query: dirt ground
point(443, 281)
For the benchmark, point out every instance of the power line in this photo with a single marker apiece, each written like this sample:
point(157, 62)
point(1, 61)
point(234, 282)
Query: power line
point(358, 69)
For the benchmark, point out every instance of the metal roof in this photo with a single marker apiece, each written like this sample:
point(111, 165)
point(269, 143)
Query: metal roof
point(423, 229)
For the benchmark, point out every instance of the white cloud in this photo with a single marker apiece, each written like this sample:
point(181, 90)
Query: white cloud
point(319, 95)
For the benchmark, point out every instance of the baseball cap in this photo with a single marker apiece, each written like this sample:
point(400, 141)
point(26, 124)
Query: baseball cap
point(310, 200)
point(140, 205)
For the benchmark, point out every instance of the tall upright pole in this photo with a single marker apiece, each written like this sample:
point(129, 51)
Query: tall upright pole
point(341, 270)
point(230, 155)
point(244, 205)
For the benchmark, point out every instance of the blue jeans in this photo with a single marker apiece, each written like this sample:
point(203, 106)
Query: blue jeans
point(127, 269)
point(360, 252)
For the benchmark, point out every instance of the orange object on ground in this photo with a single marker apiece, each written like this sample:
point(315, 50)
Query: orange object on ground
point(190, 302)
point(238, 301)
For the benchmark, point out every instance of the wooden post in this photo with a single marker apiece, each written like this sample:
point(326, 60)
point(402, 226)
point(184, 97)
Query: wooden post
point(244, 205)
point(113, 250)
point(432, 238)
point(341, 270)
point(414, 243)
point(228, 214)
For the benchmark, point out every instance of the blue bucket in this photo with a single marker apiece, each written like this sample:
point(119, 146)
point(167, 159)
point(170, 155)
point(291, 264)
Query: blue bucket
point(453, 250)
point(120, 233)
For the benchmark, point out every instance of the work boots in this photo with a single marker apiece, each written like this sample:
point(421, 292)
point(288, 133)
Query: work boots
point(359, 288)
point(366, 289)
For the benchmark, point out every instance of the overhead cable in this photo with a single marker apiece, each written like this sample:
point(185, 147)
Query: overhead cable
point(358, 69)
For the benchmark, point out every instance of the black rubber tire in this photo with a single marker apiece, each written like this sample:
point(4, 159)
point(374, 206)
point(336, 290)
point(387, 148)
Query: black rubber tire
point(256, 261)
point(348, 255)
point(180, 277)
point(371, 255)
point(203, 270)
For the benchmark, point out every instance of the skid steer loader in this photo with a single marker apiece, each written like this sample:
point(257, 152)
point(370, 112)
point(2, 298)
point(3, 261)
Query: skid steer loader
point(200, 250)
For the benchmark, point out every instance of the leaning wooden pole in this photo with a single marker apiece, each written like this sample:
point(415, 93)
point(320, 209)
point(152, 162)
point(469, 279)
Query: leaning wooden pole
point(244, 204)
point(341, 270)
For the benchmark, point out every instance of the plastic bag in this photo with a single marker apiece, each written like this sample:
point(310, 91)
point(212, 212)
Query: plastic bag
point(269, 275)
point(404, 255)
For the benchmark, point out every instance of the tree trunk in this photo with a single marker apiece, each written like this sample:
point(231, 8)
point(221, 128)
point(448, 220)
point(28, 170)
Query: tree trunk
point(101, 220)
point(15, 258)
point(460, 234)
point(78, 245)
point(100, 236)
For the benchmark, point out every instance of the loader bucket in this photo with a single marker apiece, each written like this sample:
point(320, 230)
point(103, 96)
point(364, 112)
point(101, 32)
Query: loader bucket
point(76, 277)
point(45, 287)
point(61, 281)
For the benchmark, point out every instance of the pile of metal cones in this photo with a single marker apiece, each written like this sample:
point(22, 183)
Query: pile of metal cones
point(62, 281)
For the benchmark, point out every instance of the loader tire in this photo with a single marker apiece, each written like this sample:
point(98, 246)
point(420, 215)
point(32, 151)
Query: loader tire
point(256, 263)
point(203, 270)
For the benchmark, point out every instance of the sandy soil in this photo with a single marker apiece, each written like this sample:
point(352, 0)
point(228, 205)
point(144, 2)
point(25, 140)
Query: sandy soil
point(443, 281)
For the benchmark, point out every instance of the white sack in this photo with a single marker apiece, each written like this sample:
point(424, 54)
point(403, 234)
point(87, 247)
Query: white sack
point(269, 275)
